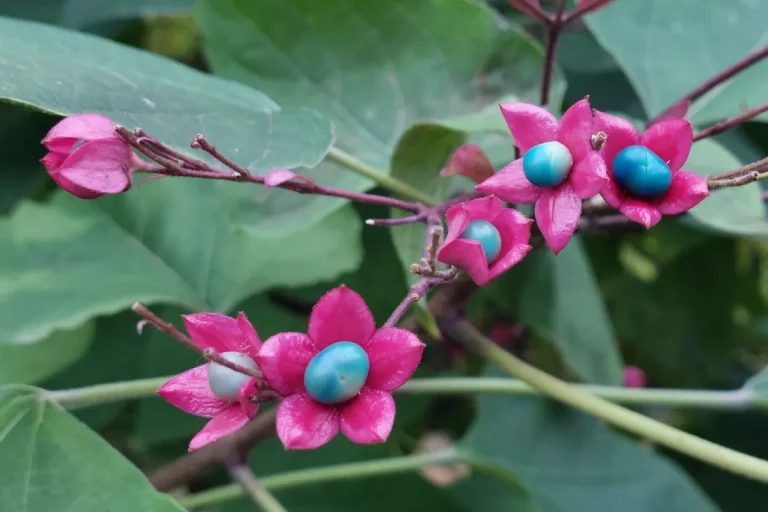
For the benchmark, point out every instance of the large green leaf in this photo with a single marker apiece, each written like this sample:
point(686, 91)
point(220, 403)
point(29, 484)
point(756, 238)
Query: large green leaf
point(33, 362)
point(561, 301)
point(65, 72)
point(52, 462)
point(373, 68)
point(174, 242)
point(736, 210)
point(573, 463)
point(667, 49)
point(79, 13)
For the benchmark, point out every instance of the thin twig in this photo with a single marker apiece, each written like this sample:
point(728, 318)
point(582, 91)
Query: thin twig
point(243, 475)
point(212, 355)
point(716, 80)
point(396, 221)
point(723, 126)
point(553, 36)
point(201, 142)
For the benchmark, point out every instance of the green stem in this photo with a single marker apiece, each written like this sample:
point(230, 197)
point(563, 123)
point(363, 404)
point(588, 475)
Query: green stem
point(741, 399)
point(350, 471)
point(78, 398)
point(657, 432)
point(715, 400)
point(401, 188)
point(255, 489)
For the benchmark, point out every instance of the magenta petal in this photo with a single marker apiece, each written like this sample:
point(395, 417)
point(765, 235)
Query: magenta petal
point(530, 124)
point(249, 343)
point(511, 185)
point(613, 194)
point(588, 175)
point(214, 330)
point(340, 315)
point(460, 215)
point(620, 134)
point(468, 255)
point(640, 212)
point(687, 190)
point(393, 355)
point(79, 127)
point(190, 392)
point(283, 359)
point(671, 141)
point(100, 165)
point(515, 230)
point(575, 130)
point(676, 111)
point(244, 394)
point(279, 176)
point(368, 418)
point(303, 424)
point(230, 420)
point(557, 215)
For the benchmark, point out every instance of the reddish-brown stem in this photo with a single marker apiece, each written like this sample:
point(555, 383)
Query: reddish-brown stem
point(583, 10)
point(163, 326)
point(716, 80)
point(533, 10)
point(553, 36)
point(174, 164)
point(726, 125)
point(741, 176)
point(212, 355)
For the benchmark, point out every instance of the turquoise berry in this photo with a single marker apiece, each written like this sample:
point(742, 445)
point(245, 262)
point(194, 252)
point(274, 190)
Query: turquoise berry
point(337, 373)
point(547, 164)
point(641, 172)
point(486, 233)
point(225, 382)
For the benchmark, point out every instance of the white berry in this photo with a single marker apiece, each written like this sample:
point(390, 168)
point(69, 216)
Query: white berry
point(225, 382)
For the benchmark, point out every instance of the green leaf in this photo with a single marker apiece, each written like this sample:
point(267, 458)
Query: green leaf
point(170, 241)
point(373, 68)
point(168, 100)
point(571, 462)
point(33, 362)
point(79, 13)
point(561, 301)
point(51, 461)
point(735, 210)
point(666, 49)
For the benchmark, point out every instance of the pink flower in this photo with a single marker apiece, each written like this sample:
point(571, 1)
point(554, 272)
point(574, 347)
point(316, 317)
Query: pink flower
point(191, 391)
point(512, 228)
point(634, 377)
point(87, 158)
point(340, 317)
point(558, 207)
point(469, 160)
point(671, 141)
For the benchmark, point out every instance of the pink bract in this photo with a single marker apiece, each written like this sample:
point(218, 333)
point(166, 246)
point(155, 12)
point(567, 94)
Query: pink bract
point(469, 160)
point(87, 158)
point(671, 140)
point(190, 391)
point(468, 255)
point(634, 377)
point(557, 209)
point(393, 354)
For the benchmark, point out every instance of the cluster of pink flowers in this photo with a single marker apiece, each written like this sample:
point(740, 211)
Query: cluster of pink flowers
point(303, 422)
point(586, 172)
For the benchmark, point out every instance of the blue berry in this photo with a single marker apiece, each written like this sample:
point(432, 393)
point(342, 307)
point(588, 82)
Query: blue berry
point(337, 373)
point(486, 233)
point(641, 172)
point(225, 382)
point(548, 164)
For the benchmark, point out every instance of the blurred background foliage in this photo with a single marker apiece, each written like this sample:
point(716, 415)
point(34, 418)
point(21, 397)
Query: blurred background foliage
point(685, 301)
